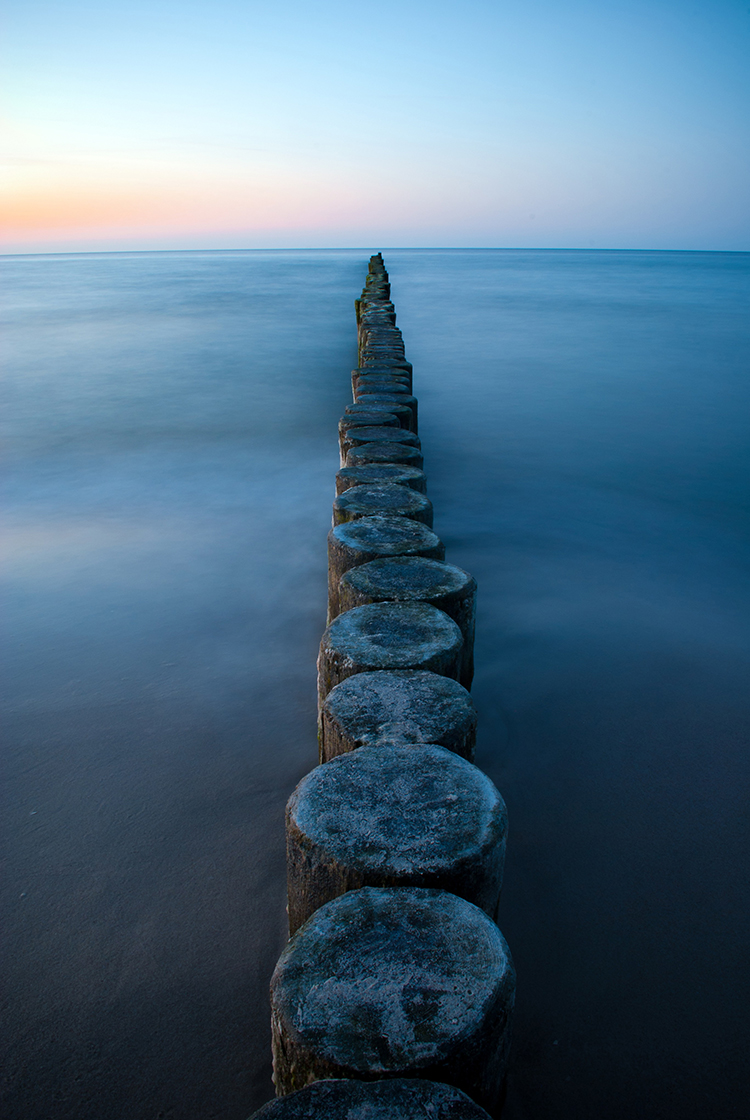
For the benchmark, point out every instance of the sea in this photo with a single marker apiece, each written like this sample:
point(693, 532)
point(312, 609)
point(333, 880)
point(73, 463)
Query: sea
point(170, 427)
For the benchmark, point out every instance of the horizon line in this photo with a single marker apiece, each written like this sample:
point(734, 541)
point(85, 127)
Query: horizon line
point(364, 249)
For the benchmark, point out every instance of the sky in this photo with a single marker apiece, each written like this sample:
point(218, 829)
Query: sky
point(234, 124)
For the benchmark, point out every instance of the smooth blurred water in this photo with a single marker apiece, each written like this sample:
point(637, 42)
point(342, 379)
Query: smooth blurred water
point(171, 446)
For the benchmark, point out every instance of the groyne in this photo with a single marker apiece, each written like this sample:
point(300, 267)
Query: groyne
point(395, 992)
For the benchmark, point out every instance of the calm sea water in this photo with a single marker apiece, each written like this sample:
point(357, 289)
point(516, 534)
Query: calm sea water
point(171, 446)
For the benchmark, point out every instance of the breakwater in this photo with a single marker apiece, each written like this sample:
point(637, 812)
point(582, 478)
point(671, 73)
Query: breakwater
point(396, 988)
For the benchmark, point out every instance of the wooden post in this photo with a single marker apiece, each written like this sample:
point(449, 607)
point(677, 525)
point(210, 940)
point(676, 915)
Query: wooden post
point(398, 1098)
point(369, 417)
point(385, 452)
point(404, 706)
point(376, 474)
point(370, 398)
point(390, 363)
point(376, 433)
point(387, 500)
point(402, 412)
point(388, 636)
point(360, 379)
point(403, 370)
point(394, 982)
point(366, 382)
point(394, 817)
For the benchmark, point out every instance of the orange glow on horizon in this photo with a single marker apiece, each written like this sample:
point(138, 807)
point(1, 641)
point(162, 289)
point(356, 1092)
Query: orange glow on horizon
point(99, 209)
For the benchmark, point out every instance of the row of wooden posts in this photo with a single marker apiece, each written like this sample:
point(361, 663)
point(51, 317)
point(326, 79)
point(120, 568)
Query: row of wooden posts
point(394, 994)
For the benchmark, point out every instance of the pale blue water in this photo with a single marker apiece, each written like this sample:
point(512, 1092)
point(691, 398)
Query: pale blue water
point(171, 436)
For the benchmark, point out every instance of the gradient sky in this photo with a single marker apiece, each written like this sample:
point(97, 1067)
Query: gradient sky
point(235, 124)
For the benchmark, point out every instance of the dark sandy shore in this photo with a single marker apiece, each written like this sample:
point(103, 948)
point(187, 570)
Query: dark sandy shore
point(167, 596)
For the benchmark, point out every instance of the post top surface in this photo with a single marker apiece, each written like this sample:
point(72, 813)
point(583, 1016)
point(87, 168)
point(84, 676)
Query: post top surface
point(396, 811)
point(397, 1098)
point(422, 968)
point(409, 577)
point(406, 705)
point(393, 635)
point(382, 496)
point(385, 534)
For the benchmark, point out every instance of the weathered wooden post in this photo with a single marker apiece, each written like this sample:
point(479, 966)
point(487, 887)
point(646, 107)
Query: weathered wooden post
point(359, 437)
point(388, 636)
point(402, 412)
point(383, 395)
point(386, 500)
point(402, 705)
point(362, 378)
point(394, 817)
point(375, 474)
point(394, 982)
point(396, 1099)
